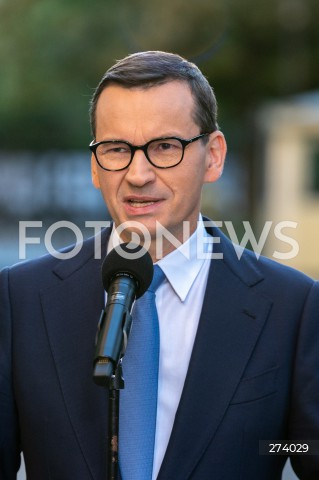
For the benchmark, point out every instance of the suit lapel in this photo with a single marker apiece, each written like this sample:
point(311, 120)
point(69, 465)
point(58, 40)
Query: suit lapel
point(231, 321)
point(71, 312)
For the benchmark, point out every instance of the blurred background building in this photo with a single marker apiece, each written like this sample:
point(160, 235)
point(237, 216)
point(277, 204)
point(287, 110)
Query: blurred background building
point(290, 177)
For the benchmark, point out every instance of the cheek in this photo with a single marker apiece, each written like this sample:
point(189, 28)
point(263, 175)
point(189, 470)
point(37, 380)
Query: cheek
point(110, 183)
point(185, 194)
point(107, 189)
point(191, 181)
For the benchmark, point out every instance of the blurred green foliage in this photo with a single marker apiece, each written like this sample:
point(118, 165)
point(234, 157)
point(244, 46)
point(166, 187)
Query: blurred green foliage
point(53, 53)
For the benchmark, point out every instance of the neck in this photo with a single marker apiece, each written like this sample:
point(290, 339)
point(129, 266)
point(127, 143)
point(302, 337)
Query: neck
point(163, 243)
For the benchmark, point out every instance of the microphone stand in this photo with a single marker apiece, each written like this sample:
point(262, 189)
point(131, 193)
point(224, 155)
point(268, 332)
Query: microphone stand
point(108, 374)
point(116, 384)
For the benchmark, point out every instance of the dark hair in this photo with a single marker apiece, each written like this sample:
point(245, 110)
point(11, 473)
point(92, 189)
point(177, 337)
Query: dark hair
point(147, 69)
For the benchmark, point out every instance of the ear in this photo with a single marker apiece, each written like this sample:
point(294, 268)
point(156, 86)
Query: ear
point(94, 174)
point(215, 156)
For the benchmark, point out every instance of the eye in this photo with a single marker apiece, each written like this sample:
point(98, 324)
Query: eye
point(166, 145)
point(113, 148)
point(119, 149)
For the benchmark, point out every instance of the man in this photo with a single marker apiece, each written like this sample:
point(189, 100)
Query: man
point(239, 356)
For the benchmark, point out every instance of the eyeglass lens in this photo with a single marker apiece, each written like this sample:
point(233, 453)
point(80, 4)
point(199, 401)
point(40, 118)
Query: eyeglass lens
point(162, 153)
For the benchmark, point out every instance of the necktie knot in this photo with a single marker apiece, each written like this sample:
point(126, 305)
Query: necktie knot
point(158, 277)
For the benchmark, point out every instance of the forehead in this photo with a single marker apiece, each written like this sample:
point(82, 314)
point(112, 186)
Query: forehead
point(171, 103)
point(172, 94)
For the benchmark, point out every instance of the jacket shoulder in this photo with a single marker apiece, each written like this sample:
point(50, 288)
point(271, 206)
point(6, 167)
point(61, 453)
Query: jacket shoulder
point(253, 268)
point(43, 270)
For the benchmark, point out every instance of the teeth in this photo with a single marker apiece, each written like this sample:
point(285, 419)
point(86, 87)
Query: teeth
point(136, 203)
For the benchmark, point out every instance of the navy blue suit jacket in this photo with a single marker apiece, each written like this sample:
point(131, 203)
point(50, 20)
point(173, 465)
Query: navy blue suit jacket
point(253, 374)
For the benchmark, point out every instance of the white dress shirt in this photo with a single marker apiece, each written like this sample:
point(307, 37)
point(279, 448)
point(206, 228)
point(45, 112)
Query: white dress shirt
point(179, 301)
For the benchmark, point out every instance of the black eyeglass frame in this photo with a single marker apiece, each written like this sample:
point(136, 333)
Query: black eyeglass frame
point(93, 147)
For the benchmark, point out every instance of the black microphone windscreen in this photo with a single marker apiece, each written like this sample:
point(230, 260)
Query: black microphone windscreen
point(129, 259)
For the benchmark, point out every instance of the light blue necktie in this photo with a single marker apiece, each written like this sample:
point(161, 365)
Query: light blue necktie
point(138, 400)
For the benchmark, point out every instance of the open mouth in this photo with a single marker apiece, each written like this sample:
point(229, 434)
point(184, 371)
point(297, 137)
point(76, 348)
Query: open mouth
point(141, 203)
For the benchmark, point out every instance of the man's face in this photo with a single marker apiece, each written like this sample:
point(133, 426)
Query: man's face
point(143, 193)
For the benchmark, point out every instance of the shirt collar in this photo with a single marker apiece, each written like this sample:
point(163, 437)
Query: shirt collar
point(183, 264)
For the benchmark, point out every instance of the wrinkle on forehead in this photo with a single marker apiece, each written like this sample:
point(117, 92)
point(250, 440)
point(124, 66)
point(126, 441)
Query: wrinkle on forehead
point(138, 115)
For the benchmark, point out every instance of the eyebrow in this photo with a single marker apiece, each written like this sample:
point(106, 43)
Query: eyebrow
point(169, 135)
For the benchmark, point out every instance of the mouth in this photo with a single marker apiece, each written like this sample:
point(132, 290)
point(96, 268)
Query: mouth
point(142, 202)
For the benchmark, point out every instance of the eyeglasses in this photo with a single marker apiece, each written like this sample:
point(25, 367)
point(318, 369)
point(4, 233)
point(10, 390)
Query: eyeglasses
point(115, 155)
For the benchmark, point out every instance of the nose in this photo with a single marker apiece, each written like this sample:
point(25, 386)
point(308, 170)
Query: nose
point(140, 172)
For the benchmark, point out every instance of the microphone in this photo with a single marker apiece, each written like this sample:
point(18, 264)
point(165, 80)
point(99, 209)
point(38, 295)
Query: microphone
point(127, 272)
